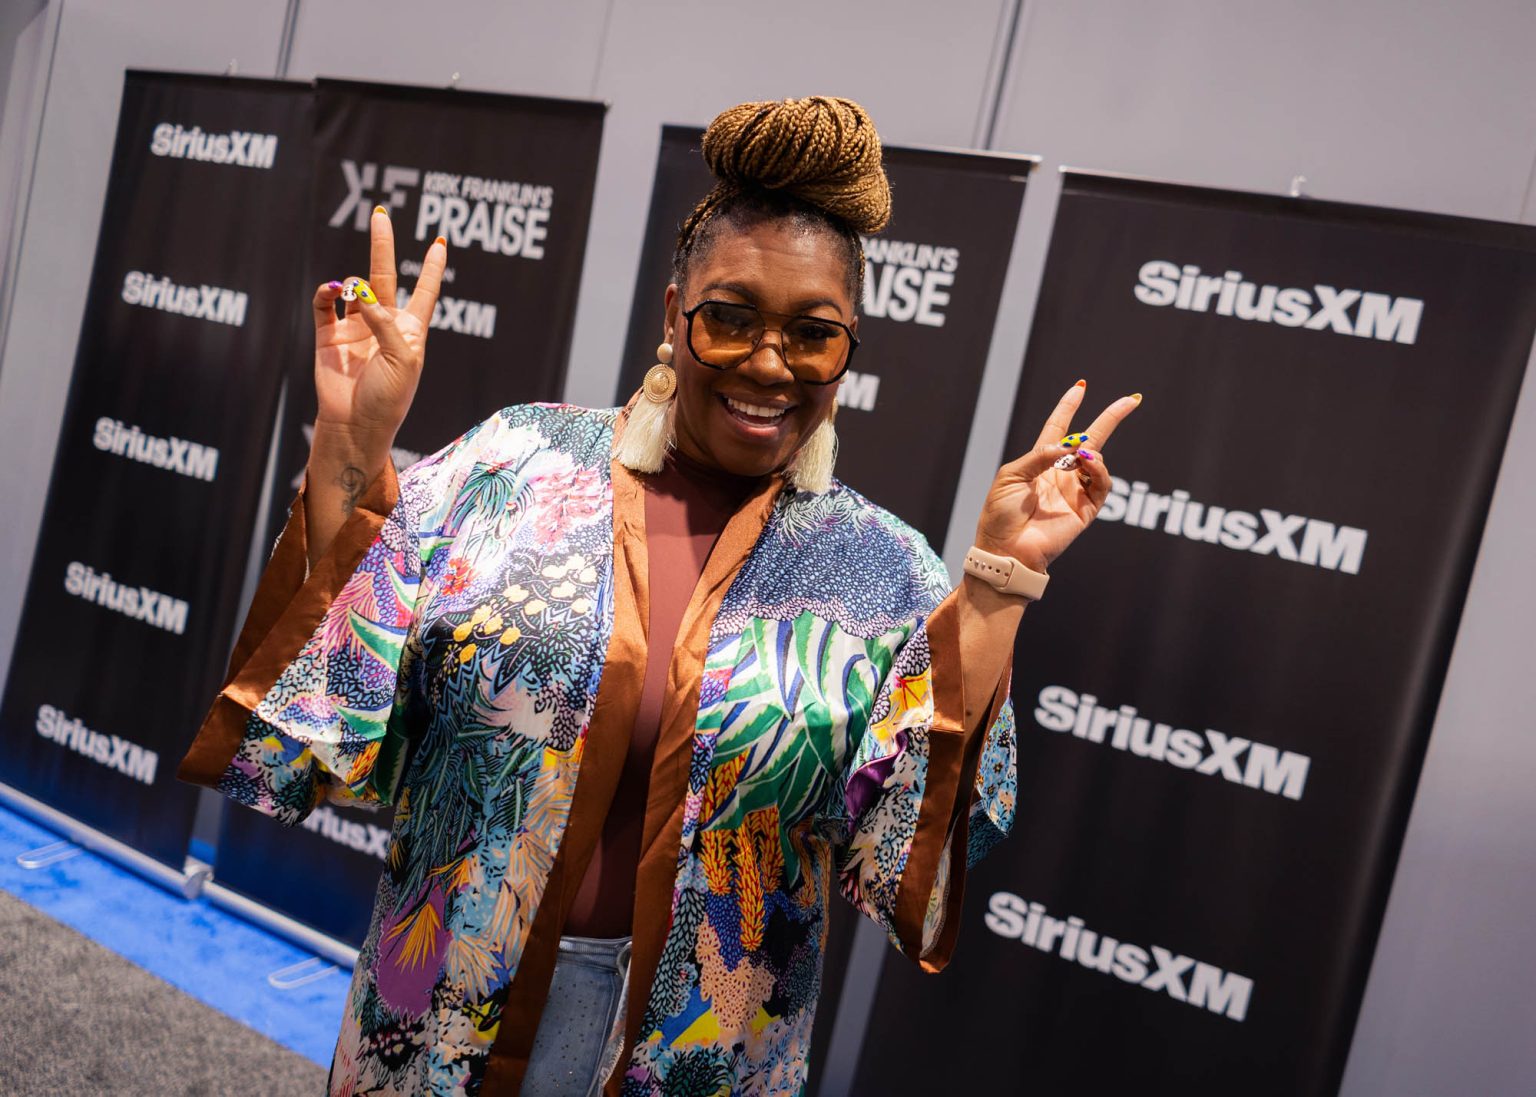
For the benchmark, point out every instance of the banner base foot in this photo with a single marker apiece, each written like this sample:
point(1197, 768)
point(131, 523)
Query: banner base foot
point(83, 837)
point(300, 974)
point(51, 854)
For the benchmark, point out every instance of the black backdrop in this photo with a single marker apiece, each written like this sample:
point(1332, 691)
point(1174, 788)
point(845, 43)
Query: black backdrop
point(509, 181)
point(136, 579)
point(1350, 422)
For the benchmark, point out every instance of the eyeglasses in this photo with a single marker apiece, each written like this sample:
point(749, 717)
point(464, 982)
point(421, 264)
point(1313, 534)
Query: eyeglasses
point(724, 334)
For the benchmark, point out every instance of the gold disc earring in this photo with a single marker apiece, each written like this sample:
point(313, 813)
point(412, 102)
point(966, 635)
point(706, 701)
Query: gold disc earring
point(648, 433)
point(661, 379)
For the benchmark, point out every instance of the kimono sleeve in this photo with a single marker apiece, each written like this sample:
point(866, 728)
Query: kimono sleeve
point(313, 703)
point(925, 796)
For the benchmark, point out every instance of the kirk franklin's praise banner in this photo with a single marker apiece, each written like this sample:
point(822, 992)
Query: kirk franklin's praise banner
point(136, 580)
point(508, 181)
point(931, 290)
point(1225, 696)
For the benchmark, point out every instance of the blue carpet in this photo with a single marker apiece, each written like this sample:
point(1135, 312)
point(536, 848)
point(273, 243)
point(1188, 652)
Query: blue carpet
point(219, 959)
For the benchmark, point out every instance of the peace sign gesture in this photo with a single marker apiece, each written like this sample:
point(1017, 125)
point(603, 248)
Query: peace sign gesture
point(368, 362)
point(1036, 506)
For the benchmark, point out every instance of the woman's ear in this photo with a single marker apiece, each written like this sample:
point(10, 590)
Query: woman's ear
point(672, 302)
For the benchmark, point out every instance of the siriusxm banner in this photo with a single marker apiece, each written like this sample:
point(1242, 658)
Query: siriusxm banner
point(932, 286)
point(135, 584)
point(508, 181)
point(1225, 697)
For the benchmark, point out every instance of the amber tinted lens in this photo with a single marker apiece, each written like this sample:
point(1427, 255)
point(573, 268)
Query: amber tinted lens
point(816, 349)
point(725, 334)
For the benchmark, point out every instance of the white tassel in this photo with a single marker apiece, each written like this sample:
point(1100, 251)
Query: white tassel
point(811, 470)
point(649, 432)
point(648, 435)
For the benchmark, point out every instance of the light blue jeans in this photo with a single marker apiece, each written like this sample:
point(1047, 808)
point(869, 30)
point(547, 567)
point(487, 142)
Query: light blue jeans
point(582, 1030)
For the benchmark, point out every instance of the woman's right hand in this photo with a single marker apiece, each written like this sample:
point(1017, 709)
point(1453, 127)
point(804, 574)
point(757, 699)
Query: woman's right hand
point(368, 363)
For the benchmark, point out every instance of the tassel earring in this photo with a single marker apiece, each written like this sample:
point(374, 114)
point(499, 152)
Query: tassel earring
point(811, 470)
point(648, 432)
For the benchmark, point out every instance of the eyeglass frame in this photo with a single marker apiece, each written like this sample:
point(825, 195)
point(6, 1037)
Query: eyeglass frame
point(853, 340)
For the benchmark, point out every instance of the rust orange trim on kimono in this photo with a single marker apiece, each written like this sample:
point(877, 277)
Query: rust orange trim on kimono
point(944, 819)
point(662, 838)
point(281, 621)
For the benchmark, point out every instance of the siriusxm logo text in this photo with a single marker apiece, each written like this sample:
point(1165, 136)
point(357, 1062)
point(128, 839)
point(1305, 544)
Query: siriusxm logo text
point(246, 150)
point(1321, 308)
point(138, 602)
point(475, 318)
point(215, 303)
point(1211, 752)
point(127, 758)
point(1322, 544)
point(363, 837)
point(858, 391)
point(174, 454)
point(1183, 979)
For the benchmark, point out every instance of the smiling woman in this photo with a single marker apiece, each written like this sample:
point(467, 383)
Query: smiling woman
point(646, 685)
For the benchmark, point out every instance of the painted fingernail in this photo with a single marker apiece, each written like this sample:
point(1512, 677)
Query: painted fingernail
point(1087, 454)
point(333, 284)
point(1136, 396)
point(1073, 440)
point(443, 240)
point(1081, 384)
point(381, 209)
point(365, 293)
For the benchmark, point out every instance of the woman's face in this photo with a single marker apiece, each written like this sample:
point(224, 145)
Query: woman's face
point(780, 268)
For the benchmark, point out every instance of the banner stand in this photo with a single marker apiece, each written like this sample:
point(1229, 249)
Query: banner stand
point(188, 883)
point(290, 977)
point(323, 946)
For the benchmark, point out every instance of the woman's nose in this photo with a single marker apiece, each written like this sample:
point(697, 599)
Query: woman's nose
point(768, 364)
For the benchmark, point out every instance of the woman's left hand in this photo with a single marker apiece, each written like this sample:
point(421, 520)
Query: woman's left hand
point(1035, 510)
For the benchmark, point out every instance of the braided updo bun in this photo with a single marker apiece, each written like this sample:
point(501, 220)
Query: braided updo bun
point(815, 161)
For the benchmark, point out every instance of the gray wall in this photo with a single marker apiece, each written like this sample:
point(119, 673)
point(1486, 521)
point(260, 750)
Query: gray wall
point(1426, 107)
point(27, 33)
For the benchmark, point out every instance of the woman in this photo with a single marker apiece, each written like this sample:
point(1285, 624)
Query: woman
point(643, 684)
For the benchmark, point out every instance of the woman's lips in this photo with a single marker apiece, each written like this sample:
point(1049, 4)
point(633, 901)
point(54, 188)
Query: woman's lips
point(756, 426)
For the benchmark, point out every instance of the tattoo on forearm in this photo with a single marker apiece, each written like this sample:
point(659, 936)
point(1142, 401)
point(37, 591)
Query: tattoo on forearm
point(352, 481)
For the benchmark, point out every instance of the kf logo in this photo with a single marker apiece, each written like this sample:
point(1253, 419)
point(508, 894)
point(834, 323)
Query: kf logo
point(362, 181)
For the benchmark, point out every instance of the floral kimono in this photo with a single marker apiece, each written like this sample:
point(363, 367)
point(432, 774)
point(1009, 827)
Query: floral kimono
point(471, 649)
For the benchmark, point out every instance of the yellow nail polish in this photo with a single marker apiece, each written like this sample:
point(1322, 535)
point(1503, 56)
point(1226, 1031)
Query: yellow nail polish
point(381, 209)
point(365, 293)
point(1072, 441)
point(1136, 396)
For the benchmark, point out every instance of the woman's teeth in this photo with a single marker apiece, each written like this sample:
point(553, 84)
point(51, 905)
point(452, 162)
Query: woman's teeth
point(754, 409)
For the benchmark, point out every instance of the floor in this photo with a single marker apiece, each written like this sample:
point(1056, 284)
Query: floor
point(110, 984)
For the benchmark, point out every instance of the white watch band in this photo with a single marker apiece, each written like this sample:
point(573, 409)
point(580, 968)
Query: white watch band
point(1005, 573)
